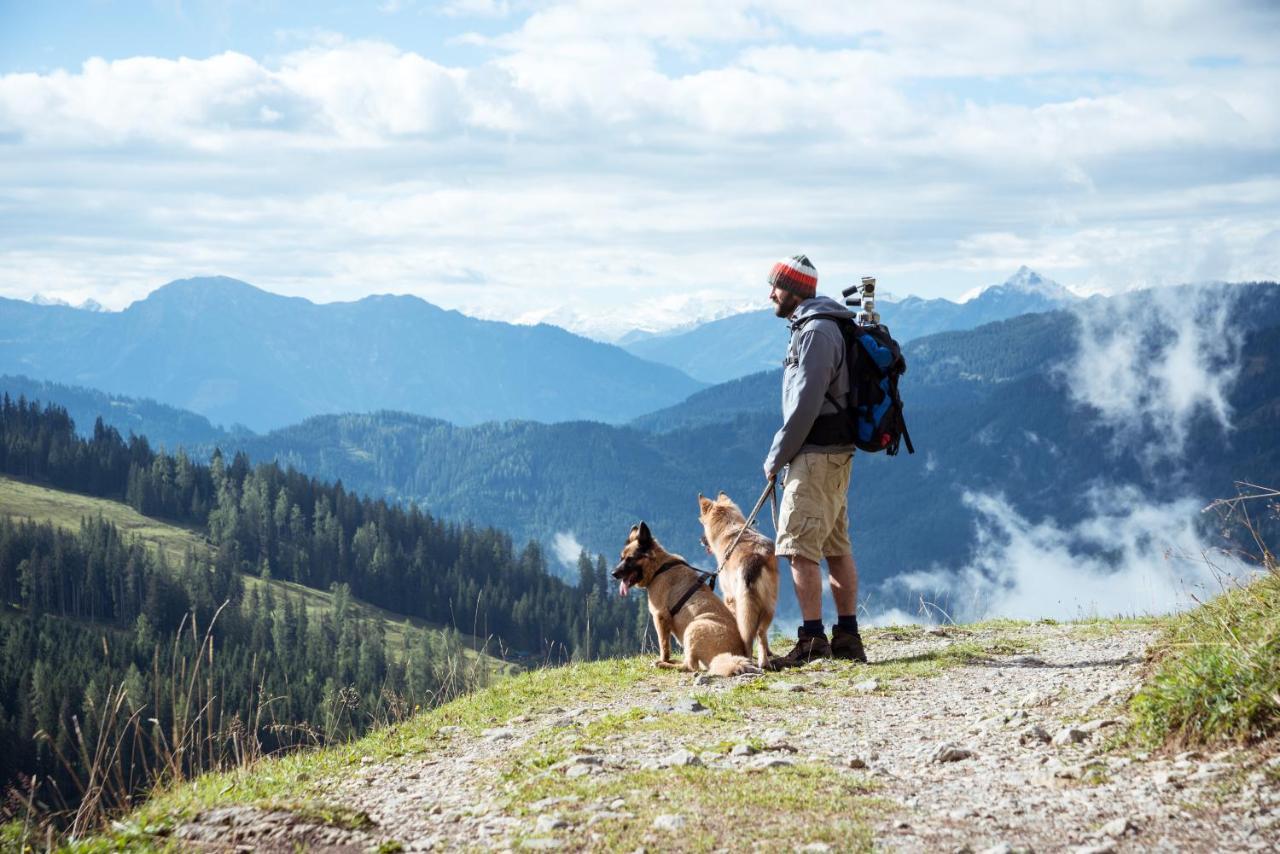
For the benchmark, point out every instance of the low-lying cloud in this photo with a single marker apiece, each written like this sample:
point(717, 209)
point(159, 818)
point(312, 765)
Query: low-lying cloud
point(566, 547)
point(1131, 556)
point(1150, 363)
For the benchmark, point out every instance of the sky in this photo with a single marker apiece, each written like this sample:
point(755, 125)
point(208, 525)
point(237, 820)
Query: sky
point(609, 165)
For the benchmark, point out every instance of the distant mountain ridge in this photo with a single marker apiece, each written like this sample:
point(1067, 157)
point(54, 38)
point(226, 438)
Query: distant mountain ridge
point(987, 407)
point(237, 354)
point(743, 344)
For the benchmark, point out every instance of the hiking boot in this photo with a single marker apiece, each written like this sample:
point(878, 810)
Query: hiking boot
point(847, 645)
point(806, 649)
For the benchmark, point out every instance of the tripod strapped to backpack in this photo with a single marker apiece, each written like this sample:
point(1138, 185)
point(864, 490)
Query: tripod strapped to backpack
point(873, 420)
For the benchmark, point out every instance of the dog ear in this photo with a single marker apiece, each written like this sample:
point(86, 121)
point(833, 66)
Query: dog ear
point(722, 496)
point(704, 503)
point(644, 538)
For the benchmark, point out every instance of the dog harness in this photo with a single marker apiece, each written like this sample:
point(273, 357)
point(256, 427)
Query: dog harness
point(688, 594)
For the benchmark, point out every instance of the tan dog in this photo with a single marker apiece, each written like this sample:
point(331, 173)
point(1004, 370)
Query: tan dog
point(750, 577)
point(681, 604)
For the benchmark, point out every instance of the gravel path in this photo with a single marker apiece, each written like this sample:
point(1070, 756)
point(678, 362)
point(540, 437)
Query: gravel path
point(1002, 753)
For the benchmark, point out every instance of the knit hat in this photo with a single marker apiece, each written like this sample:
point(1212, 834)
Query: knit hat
point(795, 274)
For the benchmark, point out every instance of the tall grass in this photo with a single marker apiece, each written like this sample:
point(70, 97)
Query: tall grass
point(126, 748)
point(1216, 675)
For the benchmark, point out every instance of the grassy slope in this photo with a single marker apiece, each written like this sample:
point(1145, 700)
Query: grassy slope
point(1216, 673)
point(25, 500)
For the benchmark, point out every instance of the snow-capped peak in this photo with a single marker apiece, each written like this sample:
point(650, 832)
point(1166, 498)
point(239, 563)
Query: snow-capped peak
point(1025, 281)
point(89, 304)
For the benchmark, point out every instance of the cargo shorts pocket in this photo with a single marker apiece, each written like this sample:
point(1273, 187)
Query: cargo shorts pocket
point(800, 535)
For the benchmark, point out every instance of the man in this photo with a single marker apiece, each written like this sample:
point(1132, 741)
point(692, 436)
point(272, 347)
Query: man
point(813, 522)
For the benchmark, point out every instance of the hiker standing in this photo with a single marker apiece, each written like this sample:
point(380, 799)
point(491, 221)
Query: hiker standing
point(813, 521)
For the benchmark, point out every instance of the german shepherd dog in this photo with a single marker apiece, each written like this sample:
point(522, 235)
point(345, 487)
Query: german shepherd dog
point(750, 576)
point(702, 623)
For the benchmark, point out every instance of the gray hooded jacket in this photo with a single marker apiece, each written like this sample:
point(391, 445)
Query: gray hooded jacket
point(813, 367)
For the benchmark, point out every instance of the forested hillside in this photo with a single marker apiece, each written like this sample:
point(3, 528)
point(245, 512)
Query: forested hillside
point(87, 611)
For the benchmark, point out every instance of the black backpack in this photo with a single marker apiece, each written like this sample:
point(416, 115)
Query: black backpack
point(873, 421)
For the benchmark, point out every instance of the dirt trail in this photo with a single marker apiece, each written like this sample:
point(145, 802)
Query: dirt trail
point(1004, 752)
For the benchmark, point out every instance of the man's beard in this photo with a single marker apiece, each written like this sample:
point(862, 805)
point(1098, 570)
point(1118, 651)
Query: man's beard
point(787, 306)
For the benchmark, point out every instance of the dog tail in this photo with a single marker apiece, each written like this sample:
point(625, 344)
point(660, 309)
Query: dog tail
point(729, 664)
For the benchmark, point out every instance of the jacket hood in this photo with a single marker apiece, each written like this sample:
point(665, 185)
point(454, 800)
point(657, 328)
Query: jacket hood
point(820, 306)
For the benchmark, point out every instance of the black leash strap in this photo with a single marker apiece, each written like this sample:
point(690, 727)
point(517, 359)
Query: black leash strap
point(688, 594)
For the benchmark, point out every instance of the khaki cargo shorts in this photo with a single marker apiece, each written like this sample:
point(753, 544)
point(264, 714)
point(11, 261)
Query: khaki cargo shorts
point(813, 521)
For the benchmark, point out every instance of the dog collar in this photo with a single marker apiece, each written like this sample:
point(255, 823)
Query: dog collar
point(671, 564)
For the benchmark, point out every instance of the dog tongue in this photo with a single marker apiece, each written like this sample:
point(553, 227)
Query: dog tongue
point(623, 588)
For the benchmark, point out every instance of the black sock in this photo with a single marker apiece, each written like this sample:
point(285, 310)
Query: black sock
point(813, 629)
point(847, 622)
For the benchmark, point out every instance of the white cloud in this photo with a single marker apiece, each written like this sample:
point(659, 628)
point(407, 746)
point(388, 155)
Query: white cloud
point(566, 548)
point(1151, 362)
point(1131, 556)
point(605, 154)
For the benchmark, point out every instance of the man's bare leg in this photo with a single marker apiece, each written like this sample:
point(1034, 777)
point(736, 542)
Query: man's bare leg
point(806, 575)
point(844, 583)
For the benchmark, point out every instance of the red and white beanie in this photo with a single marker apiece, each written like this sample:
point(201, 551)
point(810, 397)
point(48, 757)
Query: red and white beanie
point(795, 274)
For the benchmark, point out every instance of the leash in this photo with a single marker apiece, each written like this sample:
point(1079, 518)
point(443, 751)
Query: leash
point(770, 492)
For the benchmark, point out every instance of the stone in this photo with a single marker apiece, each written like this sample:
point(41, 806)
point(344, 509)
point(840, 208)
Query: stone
point(866, 686)
point(815, 848)
point(1032, 699)
point(1034, 734)
point(1119, 827)
point(548, 823)
point(1069, 735)
point(670, 822)
point(608, 815)
point(948, 752)
point(573, 772)
point(786, 687)
point(617, 804)
point(499, 733)
point(998, 848)
point(1027, 661)
point(682, 758)
point(742, 750)
point(688, 705)
point(770, 762)
point(1097, 724)
point(1103, 848)
point(857, 762)
point(541, 844)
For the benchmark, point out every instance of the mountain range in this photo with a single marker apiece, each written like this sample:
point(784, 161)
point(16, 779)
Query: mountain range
point(239, 355)
point(991, 411)
point(742, 344)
